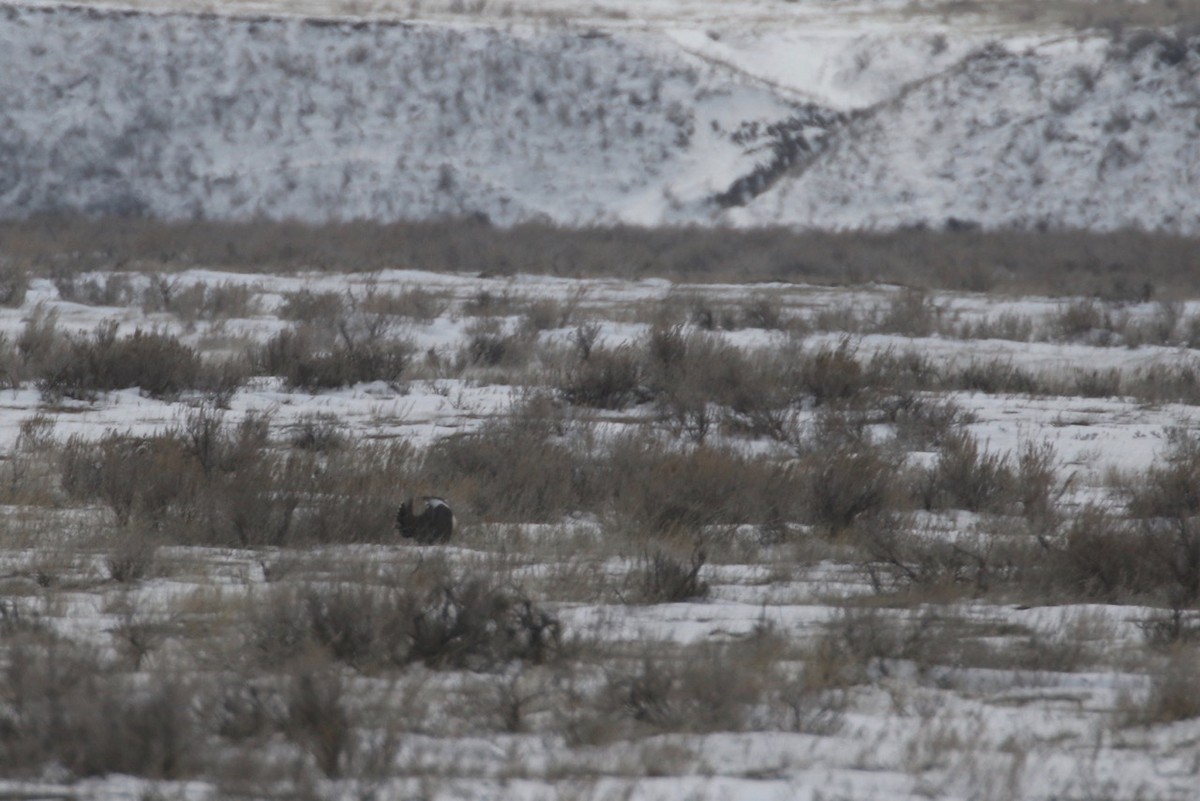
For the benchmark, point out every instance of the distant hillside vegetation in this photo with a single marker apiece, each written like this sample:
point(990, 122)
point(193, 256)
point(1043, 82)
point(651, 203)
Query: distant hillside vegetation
point(222, 117)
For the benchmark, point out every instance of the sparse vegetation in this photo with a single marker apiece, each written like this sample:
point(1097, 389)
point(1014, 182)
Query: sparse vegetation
point(672, 530)
point(1063, 263)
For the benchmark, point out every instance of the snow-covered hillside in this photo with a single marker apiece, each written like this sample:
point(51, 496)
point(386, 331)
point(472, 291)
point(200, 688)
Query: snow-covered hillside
point(181, 115)
point(1085, 134)
point(746, 113)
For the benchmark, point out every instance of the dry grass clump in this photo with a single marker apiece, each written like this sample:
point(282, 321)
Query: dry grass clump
point(1171, 487)
point(307, 359)
point(677, 372)
point(200, 301)
point(697, 381)
point(320, 309)
point(14, 283)
point(702, 689)
point(1174, 693)
point(1086, 320)
point(657, 489)
point(1103, 323)
point(606, 378)
point(993, 377)
point(965, 476)
point(910, 312)
point(133, 477)
point(899, 556)
point(922, 422)
point(114, 289)
point(843, 477)
point(28, 475)
point(319, 719)
point(1105, 557)
point(443, 621)
point(320, 432)
point(411, 304)
point(211, 483)
point(521, 468)
point(64, 709)
point(708, 313)
point(132, 557)
point(662, 578)
point(81, 367)
point(546, 314)
point(490, 345)
point(861, 644)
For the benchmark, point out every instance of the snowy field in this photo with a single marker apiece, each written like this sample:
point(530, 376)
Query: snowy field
point(651, 595)
point(789, 528)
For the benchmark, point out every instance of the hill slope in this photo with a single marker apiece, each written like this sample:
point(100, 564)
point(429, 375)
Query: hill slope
point(1077, 133)
point(831, 120)
point(179, 115)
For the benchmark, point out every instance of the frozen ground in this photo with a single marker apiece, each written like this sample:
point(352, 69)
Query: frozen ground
point(1046, 717)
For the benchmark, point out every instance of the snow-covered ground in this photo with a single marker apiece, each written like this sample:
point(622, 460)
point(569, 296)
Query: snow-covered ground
point(810, 114)
point(1050, 715)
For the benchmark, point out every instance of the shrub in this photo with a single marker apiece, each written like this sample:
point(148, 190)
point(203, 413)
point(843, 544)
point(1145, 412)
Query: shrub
point(475, 624)
point(922, 423)
point(1096, 383)
point(110, 290)
point(1167, 501)
point(200, 301)
point(158, 364)
point(910, 312)
point(657, 490)
point(696, 379)
point(1037, 486)
point(1174, 694)
point(297, 356)
point(901, 555)
point(416, 304)
point(661, 578)
point(489, 345)
point(761, 392)
point(320, 433)
point(210, 483)
point(147, 732)
point(1085, 320)
point(66, 710)
point(609, 378)
point(144, 478)
point(859, 643)
point(833, 373)
point(518, 469)
point(967, 477)
point(1171, 487)
point(846, 484)
point(132, 559)
point(546, 314)
point(440, 620)
point(352, 498)
point(704, 689)
point(14, 283)
point(321, 309)
point(319, 719)
point(1104, 557)
point(762, 311)
point(993, 378)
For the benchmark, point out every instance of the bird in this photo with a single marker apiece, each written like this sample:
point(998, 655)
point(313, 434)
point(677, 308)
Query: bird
point(426, 519)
